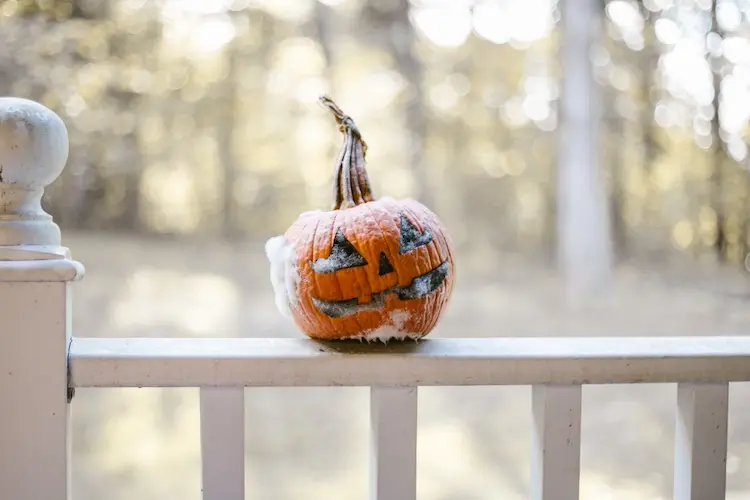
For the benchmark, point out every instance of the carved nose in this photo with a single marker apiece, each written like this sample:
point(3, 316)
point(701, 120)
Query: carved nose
point(385, 266)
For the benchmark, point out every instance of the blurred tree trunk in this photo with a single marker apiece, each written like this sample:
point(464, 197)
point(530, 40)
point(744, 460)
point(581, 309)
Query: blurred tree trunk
point(323, 22)
point(649, 62)
point(225, 138)
point(650, 95)
point(584, 244)
point(131, 214)
point(717, 201)
point(391, 29)
point(132, 171)
point(617, 141)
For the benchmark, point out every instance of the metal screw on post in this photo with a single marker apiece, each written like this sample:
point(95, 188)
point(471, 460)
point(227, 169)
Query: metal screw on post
point(35, 306)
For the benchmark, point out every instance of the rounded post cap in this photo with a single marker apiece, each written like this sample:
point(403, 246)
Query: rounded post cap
point(33, 143)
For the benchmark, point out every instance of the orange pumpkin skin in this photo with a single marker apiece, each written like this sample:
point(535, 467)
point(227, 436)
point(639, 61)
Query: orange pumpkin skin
point(367, 269)
point(390, 303)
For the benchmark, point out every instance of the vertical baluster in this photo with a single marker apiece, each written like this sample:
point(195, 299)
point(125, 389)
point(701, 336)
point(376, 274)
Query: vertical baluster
point(556, 434)
point(393, 416)
point(223, 443)
point(700, 461)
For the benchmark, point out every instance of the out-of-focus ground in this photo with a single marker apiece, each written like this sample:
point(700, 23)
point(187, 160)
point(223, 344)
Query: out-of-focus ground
point(310, 444)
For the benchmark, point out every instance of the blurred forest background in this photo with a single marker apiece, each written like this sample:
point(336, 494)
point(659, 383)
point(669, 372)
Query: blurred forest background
point(195, 135)
point(200, 118)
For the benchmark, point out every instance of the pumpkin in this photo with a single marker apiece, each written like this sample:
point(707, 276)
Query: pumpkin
point(368, 269)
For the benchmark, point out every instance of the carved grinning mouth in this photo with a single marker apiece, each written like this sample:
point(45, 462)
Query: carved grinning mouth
point(420, 287)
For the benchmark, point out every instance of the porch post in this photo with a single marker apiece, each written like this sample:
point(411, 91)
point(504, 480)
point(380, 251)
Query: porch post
point(35, 272)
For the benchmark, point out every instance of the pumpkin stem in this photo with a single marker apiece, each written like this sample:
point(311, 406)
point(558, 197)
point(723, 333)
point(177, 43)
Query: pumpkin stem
point(352, 186)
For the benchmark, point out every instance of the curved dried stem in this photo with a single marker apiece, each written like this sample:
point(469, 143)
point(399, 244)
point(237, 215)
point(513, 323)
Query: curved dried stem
point(352, 185)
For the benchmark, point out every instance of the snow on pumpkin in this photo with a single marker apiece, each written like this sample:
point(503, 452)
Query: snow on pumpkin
point(368, 269)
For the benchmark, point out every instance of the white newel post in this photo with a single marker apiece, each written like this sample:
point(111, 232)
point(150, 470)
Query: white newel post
point(35, 272)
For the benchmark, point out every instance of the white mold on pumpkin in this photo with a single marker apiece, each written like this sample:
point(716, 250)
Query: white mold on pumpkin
point(282, 254)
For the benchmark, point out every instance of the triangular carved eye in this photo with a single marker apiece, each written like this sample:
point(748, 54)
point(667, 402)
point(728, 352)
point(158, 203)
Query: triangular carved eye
point(343, 256)
point(385, 266)
point(411, 237)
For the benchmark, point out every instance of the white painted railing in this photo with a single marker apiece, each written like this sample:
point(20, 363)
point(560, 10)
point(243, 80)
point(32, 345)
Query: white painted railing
point(41, 364)
point(555, 367)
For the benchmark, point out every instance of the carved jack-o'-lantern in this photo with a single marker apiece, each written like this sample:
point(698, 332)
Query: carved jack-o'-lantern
point(368, 269)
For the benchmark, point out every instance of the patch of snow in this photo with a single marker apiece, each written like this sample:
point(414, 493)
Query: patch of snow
point(391, 330)
point(282, 255)
point(310, 212)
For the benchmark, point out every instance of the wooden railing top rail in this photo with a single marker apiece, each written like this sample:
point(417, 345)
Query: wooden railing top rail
point(181, 362)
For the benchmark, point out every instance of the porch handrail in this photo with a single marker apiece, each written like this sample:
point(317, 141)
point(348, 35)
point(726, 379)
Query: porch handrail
point(276, 362)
